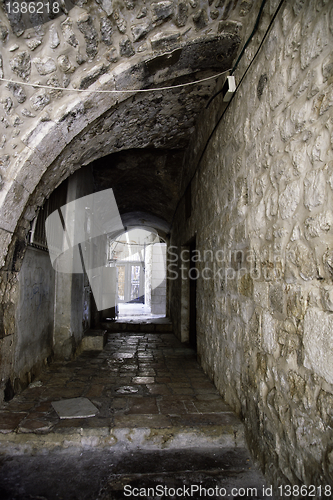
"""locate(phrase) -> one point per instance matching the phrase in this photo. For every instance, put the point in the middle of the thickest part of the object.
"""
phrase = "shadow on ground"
(105, 475)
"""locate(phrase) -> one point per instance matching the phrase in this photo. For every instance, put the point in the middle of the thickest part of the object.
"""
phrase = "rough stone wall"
(9, 293)
(262, 203)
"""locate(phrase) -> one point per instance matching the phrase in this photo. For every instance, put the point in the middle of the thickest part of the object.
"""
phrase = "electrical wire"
(158, 89)
(256, 24)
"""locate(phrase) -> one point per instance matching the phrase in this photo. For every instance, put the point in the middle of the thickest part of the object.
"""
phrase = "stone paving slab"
(74, 408)
(10, 420)
(149, 391)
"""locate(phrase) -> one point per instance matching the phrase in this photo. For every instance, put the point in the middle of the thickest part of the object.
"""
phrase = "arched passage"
(259, 188)
(52, 133)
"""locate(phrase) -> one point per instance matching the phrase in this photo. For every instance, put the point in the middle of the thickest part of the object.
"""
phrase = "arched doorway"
(139, 256)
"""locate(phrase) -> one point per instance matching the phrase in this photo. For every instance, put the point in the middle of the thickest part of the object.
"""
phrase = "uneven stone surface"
(160, 421)
(74, 41)
(130, 46)
(140, 381)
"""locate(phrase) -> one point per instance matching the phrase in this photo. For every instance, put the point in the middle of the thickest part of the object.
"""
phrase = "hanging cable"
(243, 49)
(158, 89)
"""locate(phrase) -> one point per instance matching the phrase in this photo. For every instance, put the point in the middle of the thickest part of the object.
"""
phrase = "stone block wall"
(262, 211)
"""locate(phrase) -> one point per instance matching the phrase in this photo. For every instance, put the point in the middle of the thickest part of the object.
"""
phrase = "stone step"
(218, 431)
(148, 326)
(146, 390)
(145, 411)
(195, 473)
(94, 340)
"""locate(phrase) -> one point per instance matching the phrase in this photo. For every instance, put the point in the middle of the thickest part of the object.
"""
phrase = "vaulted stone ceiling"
(145, 183)
(134, 141)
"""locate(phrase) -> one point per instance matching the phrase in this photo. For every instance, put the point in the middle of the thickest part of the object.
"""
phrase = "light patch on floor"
(75, 408)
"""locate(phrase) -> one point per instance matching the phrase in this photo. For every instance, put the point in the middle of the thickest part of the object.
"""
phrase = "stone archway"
(49, 133)
(49, 127)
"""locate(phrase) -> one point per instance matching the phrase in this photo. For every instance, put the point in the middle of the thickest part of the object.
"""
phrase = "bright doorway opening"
(139, 255)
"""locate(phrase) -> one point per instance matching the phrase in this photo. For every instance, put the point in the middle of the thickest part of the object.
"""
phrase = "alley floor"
(159, 420)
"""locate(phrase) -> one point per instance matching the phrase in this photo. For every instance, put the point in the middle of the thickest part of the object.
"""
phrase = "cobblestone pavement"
(160, 421)
(138, 380)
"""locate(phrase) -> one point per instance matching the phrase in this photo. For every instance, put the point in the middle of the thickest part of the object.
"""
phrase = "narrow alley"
(172, 158)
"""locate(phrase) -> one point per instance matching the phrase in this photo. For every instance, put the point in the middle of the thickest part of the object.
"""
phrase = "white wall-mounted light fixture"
(229, 88)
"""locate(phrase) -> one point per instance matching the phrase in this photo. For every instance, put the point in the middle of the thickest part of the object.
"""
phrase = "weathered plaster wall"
(39, 327)
(34, 315)
(262, 202)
